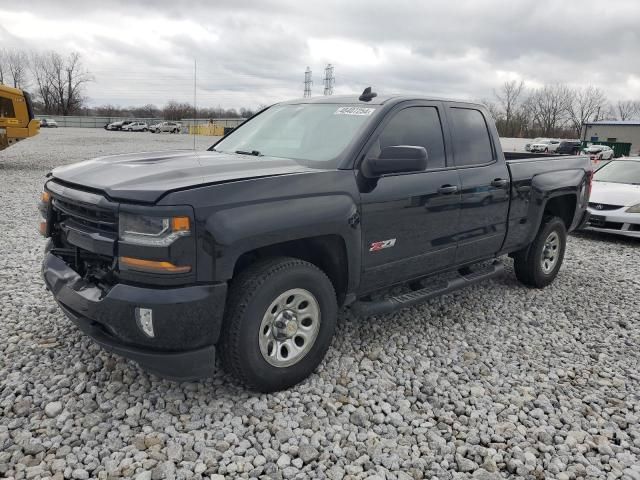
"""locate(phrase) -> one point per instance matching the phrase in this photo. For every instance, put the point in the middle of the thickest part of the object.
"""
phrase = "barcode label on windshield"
(354, 111)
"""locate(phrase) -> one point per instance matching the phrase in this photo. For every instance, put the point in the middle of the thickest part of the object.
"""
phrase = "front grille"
(604, 206)
(92, 216)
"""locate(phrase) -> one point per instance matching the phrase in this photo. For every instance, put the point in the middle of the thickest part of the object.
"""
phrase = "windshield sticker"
(354, 111)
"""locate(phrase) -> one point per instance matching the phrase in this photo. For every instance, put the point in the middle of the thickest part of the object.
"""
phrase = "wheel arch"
(327, 252)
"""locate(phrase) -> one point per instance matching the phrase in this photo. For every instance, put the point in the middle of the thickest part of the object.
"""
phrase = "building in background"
(614, 131)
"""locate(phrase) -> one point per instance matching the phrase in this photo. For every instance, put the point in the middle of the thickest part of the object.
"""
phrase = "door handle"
(447, 189)
(499, 182)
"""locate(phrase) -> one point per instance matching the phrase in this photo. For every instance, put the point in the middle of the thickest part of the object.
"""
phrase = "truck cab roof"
(378, 100)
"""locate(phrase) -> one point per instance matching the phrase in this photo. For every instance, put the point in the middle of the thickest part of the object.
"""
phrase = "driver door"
(409, 220)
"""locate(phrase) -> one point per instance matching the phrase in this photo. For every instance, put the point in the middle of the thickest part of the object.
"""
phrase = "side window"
(471, 141)
(417, 126)
(6, 108)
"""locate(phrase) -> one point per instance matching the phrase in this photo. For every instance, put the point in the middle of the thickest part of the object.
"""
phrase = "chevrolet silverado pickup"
(247, 251)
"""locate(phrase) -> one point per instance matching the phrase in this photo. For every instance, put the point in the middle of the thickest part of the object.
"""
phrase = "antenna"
(307, 83)
(193, 122)
(329, 79)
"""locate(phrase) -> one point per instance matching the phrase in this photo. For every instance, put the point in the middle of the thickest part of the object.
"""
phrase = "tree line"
(554, 110)
(173, 110)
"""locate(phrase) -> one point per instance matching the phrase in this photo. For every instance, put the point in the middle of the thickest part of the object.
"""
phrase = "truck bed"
(531, 177)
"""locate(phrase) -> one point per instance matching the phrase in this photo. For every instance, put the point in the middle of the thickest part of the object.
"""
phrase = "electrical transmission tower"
(307, 83)
(329, 80)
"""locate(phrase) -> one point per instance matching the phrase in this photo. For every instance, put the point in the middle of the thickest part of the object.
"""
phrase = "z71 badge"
(376, 246)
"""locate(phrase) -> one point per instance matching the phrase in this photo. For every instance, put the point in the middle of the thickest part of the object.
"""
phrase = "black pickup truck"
(249, 249)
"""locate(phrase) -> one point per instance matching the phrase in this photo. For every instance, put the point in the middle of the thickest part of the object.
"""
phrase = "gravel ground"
(493, 382)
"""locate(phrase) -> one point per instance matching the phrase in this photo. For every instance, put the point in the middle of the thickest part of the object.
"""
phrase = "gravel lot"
(496, 381)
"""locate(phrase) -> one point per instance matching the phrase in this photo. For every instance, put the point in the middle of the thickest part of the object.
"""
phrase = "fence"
(100, 122)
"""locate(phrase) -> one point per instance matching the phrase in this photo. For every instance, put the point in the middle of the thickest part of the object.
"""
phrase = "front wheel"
(538, 265)
(281, 314)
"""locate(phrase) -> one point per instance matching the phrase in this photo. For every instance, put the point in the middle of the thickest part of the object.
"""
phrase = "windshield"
(308, 132)
(619, 171)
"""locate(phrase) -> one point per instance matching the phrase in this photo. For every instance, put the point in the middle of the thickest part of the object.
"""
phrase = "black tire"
(528, 262)
(251, 294)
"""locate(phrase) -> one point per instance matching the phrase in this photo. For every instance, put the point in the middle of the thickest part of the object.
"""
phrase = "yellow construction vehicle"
(16, 116)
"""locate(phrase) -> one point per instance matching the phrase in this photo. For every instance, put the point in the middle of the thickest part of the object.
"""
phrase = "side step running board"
(390, 304)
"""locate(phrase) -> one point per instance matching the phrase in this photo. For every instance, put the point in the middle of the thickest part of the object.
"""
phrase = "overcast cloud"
(255, 52)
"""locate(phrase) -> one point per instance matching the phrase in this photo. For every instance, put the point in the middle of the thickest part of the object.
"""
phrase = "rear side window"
(415, 126)
(6, 108)
(471, 141)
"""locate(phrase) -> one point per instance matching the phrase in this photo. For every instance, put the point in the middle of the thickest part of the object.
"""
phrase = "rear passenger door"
(484, 182)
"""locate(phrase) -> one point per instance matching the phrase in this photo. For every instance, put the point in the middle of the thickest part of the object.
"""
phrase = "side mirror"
(396, 159)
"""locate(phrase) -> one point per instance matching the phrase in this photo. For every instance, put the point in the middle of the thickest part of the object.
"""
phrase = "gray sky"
(252, 52)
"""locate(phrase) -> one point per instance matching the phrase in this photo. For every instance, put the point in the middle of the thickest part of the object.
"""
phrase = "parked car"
(569, 147)
(614, 205)
(599, 152)
(48, 123)
(135, 127)
(248, 250)
(546, 146)
(527, 146)
(118, 125)
(171, 127)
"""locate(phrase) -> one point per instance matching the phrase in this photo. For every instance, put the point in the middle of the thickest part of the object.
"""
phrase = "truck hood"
(145, 177)
(624, 194)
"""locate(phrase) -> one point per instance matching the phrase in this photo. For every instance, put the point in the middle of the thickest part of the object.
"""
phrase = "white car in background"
(546, 146)
(171, 127)
(527, 146)
(614, 205)
(136, 127)
(599, 152)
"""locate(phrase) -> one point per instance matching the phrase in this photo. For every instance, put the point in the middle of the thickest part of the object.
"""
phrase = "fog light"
(144, 319)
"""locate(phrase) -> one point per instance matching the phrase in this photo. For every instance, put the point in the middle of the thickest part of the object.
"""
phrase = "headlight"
(153, 231)
(44, 205)
(634, 209)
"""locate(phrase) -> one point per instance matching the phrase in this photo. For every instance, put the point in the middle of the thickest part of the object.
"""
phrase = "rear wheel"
(281, 314)
(538, 265)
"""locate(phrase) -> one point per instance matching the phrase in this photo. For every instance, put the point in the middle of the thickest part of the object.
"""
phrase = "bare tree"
(59, 81)
(586, 104)
(549, 106)
(177, 111)
(74, 76)
(41, 74)
(3, 64)
(508, 97)
(17, 63)
(627, 109)
(146, 111)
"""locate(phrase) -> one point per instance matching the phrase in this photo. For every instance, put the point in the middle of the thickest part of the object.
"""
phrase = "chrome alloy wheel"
(550, 251)
(289, 327)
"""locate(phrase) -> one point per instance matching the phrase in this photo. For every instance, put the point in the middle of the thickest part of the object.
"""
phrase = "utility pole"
(329, 80)
(307, 83)
(195, 105)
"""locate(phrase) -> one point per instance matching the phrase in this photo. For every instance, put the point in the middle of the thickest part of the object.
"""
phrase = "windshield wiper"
(255, 153)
